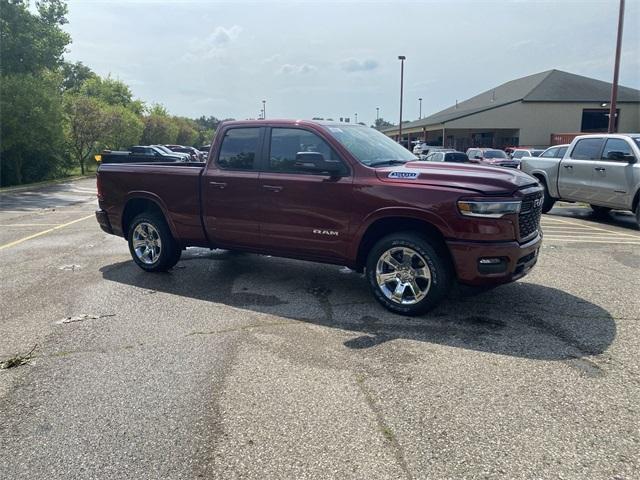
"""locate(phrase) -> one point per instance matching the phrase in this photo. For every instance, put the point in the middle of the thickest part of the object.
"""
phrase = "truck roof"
(289, 121)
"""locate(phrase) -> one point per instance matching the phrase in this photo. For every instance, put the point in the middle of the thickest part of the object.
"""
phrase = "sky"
(335, 59)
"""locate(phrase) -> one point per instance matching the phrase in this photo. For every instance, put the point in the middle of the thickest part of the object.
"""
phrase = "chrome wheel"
(146, 243)
(403, 275)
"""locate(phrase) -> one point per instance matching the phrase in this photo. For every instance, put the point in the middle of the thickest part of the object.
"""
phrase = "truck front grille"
(530, 213)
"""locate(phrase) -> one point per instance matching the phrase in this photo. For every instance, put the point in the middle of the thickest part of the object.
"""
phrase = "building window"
(597, 119)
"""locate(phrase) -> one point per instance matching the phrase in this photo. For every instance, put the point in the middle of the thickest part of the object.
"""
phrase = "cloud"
(354, 65)
(214, 44)
(290, 69)
(222, 36)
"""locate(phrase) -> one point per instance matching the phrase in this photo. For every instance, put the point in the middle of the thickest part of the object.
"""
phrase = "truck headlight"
(473, 208)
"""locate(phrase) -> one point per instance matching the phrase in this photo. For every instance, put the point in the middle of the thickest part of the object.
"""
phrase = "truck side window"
(616, 145)
(239, 148)
(286, 143)
(587, 149)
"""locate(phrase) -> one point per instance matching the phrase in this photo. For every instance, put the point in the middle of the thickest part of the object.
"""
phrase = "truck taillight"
(99, 186)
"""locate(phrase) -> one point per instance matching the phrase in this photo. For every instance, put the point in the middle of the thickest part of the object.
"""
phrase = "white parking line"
(590, 227)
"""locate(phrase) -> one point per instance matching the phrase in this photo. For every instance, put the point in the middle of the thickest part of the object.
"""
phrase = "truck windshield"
(369, 146)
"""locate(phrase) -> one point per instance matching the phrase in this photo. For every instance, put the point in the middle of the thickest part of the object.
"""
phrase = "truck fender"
(400, 213)
(552, 187)
(152, 197)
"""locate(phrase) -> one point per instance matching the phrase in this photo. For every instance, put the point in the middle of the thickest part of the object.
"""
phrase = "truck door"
(576, 170)
(230, 200)
(613, 175)
(304, 213)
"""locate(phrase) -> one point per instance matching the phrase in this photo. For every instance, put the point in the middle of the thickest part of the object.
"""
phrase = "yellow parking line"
(30, 225)
(44, 232)
(596, 228)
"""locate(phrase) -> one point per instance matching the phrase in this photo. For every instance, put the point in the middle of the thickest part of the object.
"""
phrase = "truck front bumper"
(103, 221)
(484, 264)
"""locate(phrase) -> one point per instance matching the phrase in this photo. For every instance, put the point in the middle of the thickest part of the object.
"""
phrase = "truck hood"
(477, 178)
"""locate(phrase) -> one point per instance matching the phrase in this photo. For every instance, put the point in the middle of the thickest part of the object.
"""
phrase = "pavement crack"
(386, 431)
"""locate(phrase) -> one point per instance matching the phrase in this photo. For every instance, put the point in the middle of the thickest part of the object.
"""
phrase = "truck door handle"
(599, 169)
(219, 185)
(272, 188)
(568, 166)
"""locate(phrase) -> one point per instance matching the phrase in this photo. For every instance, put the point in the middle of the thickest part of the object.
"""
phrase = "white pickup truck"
(602, 170)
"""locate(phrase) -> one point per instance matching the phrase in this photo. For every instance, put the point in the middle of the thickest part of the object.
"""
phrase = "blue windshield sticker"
(404, 175)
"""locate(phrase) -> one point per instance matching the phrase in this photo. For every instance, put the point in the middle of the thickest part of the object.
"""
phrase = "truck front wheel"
(151, 244)
(407, 273)
(547, 200)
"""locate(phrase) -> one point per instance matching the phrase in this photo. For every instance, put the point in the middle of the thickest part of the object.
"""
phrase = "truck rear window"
(239, 147)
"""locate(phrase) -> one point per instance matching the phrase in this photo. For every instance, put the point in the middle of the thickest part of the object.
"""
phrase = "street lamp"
(616, 70)
(402, 58)
(420, 114)
(264, 109)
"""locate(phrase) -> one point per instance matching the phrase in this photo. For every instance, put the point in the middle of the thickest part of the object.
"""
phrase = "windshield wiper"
(387, 162)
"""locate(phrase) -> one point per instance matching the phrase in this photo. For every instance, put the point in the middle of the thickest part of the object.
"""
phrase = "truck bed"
(173, 186)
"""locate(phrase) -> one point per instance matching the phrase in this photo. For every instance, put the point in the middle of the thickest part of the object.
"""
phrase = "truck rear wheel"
(151, 244)
(407, 273)
(600, 211)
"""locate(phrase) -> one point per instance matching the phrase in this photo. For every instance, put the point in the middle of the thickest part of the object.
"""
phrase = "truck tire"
(638, 215)
(547, 200)
(408, 273)
(600, 211)
(151, 244)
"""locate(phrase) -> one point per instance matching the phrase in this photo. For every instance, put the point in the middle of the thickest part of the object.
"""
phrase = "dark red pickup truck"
(331, 193)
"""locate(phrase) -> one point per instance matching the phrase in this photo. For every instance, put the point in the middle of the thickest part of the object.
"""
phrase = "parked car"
(451, 156)
(518, 153)
(138, 154)
(557, 151)
(164, 154)
(331, 193)
(194, 153)
(491, 156)
(424, 149)
(185, 156)
(600, 169)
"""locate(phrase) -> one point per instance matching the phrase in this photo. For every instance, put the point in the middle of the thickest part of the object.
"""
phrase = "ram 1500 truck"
(601, 170)
(331, 193)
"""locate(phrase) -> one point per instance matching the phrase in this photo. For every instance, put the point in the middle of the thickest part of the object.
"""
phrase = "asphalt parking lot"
(245, 366)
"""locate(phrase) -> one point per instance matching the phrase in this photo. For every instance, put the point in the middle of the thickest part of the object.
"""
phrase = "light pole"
(616, 70)
(377, 115)
(402, 58)
(264, 109)
(356, 116)
(420, 114)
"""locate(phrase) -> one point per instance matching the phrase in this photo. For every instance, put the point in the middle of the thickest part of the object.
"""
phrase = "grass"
(17, 360)
(71, 175)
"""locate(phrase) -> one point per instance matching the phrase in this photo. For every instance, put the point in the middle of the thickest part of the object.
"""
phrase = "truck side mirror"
(615, 155)
(315, 162)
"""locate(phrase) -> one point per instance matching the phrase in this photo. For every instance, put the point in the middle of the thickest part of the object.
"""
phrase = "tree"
(28, 42)
(32, 144)
(112, 92)
(86, 126)
(159, 127)
(75, 75)
(382, 123)
(187, 132)
(123, 127)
